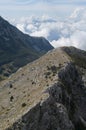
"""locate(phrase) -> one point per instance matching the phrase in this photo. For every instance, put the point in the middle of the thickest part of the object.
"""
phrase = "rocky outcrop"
(64, 109)
(74, 95)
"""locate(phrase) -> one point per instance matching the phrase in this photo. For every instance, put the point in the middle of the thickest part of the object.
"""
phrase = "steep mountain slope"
(18, 49)
(77, 55)
(36, 97)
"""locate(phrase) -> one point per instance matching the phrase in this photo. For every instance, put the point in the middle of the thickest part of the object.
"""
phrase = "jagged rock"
(63, 110)
(73, 94)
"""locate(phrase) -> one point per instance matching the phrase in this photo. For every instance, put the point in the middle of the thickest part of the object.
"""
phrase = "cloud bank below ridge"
(70, 32)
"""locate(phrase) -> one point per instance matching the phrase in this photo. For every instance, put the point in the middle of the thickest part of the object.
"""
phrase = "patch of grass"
(80, 61)
(52, 70)
(47, 74)
(78, 56)
(2, 77)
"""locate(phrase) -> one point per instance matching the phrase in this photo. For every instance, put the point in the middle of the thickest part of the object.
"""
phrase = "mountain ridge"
(29, 85)
(17, 48)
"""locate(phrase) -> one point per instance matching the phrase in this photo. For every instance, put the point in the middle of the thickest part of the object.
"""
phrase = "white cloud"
(77, 39)
(70, 32)
(79, 14)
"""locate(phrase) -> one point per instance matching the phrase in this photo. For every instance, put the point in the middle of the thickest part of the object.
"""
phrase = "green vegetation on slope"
(78, 56)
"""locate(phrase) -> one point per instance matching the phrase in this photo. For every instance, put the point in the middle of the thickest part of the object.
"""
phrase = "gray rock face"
(65, 109)
(74, 95)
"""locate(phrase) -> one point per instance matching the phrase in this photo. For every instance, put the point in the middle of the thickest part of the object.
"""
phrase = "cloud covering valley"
(68, 32)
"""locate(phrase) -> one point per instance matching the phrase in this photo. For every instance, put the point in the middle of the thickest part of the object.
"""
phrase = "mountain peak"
(2, 19)
(3, 24)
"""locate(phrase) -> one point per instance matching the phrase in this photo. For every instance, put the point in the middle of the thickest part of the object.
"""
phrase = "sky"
(62, 22)
(20, 8)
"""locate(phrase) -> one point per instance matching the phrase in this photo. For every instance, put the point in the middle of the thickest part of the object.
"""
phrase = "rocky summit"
(47, 94)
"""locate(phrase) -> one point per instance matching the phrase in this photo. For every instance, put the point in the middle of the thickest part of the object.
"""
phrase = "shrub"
(23, 104)
(11, 98)
(11, 85)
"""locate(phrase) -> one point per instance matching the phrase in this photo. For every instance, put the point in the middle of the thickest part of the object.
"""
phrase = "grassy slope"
(28, 86)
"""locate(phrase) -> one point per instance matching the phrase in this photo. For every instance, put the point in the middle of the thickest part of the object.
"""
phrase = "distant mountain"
(17, 48)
